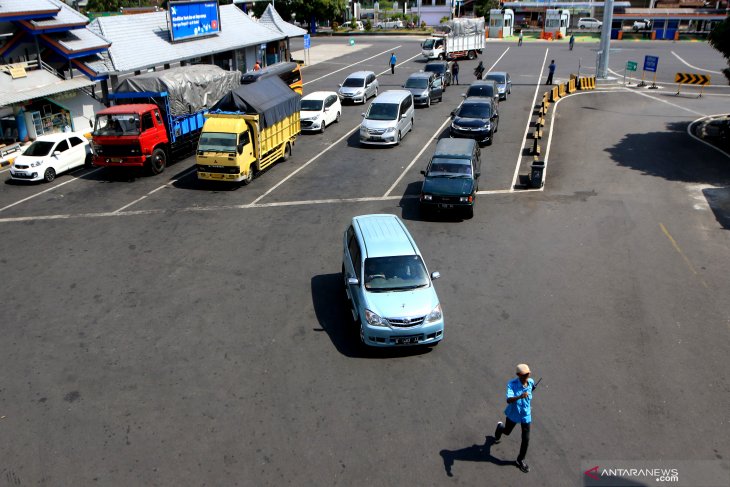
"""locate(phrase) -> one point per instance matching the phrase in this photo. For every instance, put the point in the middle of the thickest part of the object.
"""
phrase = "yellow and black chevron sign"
(692, 79)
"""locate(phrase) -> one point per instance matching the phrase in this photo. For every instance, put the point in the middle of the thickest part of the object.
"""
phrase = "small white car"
(320, 109)
(51, 155)
(589, 23)
(641, 24)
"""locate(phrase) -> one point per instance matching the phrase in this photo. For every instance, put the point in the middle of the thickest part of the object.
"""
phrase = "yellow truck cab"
(249, 129)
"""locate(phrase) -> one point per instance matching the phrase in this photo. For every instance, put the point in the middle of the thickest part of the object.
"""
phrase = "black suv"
(476, 118)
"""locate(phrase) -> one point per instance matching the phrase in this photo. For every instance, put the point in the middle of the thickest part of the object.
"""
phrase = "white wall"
(82, 108)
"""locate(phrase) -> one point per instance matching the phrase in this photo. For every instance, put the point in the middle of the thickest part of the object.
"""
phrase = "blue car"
(391, 293)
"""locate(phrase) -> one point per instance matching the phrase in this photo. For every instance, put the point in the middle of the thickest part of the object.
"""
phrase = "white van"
(388, 119)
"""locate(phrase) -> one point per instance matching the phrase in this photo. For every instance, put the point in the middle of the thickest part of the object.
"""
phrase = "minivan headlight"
(390, 130)
(374, 320)
(435, 314)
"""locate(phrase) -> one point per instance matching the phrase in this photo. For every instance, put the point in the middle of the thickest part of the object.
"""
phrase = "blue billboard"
(188, 20)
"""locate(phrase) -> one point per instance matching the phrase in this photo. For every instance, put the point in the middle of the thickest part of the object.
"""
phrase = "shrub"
(423, 24)
(368, 25)
(444, 19)
(335, 26)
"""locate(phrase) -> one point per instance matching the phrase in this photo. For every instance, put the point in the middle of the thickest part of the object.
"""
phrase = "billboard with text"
(188, 20)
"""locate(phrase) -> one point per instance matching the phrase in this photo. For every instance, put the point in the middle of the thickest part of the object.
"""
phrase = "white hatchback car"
(50, 155)
(320, 109)
(589, 23)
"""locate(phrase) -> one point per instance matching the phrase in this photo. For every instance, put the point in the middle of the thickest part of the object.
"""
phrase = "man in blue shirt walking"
(392, 63)
(519, 397)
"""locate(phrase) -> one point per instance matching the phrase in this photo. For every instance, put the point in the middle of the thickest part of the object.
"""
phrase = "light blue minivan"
(390, 290)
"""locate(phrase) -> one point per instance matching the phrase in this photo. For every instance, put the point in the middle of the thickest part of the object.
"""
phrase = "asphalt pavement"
(160, 331)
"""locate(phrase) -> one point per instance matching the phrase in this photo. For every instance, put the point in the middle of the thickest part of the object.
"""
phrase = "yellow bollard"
(562, 92)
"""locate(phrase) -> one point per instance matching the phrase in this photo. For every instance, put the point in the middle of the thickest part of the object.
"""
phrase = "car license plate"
(444, 205)
(20, 173)
(375, 138)
(116, 159)
(406, 340)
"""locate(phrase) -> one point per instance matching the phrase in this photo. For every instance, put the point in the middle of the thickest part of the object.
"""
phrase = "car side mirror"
(402, 86)
(477, 174)
(240, 148)
(340, 85)
(435, 275)
(352, 281)
(403, 116)
(463, 95)
(362, 114)
(423, 172)
(453, 114)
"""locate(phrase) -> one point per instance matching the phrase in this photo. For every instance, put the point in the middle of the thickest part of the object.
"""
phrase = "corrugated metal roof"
(66, 16)
(26, 6)
(143, 40)
(271, 19)
(37, 84)
(79, 40)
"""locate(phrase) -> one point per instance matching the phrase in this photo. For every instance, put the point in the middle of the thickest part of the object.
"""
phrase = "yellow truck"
(249, 129)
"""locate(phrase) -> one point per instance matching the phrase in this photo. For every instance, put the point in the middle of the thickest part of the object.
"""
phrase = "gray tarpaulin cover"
(190, 88)
(465, 26)
(270, 97)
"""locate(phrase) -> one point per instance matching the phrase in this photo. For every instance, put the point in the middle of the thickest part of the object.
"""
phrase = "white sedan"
(320, 109)
(50, 155)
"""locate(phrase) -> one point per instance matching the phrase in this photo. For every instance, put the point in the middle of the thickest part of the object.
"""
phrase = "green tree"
(109, 5)
(306, 10)
(482, 7)
(719, 38)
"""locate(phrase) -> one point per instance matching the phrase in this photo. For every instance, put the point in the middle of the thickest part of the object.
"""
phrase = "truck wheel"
(441, 57)
(249, 176)
(158, 161)
(472, 55)
(287, 152)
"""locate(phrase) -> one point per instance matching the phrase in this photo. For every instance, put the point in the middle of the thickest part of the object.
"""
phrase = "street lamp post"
(605, 48)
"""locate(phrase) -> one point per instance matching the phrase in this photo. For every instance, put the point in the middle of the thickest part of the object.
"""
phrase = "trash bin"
(537, 172)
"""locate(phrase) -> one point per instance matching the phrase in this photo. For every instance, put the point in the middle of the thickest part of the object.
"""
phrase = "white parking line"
(435, 135)
(527, 127)
(75, 178)
(353, 64)
(173, 181)
(694, 67)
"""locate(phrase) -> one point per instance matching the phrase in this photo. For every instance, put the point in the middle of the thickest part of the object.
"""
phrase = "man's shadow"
(474, 453)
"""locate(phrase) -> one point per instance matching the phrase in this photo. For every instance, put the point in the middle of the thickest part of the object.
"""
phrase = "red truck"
(158, 116)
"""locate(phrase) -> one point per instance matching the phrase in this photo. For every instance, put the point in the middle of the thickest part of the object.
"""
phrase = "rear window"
(435, 68)
(499, 78)
(481, 90)
(417, 83)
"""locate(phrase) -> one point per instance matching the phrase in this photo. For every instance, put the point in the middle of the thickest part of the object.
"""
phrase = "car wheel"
(441, 57)
(491, 138)
(397, 142)
(324, 126)
(337, 118)
(49, 175)
(428, 101)
(413, 124)
(376, 91)
(441, 98)
(158, 161)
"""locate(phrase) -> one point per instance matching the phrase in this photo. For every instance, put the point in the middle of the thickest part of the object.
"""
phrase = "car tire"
(158, 161)
(428, 101)
(397, 142)
(324, 126)
(471, 55)
(491, 139)
(49, 175)
(287, 152)
(337, 119)
(441, 98)
(441, 57)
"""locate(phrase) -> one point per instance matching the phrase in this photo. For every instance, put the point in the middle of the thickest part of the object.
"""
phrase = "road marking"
(527, 127)
(435, 135)
(667, 102)
(499, 58)
(75, 178)
(679, 251)
(305, 165)
(689, 131)
(353, 64)
(694, 67)
(171, 182)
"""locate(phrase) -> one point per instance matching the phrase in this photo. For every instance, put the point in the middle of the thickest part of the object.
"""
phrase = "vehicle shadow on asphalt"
(333, 313)
(719, 201)
(473, 453)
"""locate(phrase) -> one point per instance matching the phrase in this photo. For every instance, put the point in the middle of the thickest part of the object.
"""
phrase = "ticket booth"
(557, 20)
(501, 23)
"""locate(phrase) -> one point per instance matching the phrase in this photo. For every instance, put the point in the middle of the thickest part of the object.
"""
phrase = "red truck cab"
(131, 135)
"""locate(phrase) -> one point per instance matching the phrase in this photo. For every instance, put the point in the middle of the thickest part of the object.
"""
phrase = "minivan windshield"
(382, 111)
(417, 83)
(217, 142)
(428, 44)
(442, 167)
(474, 110)
(39, 148)
(396, 273)
(312, 105)
(354, 83)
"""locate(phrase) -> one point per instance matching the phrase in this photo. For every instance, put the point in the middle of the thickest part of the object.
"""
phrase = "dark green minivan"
(452, 177)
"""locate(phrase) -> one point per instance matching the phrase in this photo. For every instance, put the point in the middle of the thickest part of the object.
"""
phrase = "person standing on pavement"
(551, 72)
(455, 71)
(479, 70)
(572, 41)
(519, 410)
(519, 39)
(392, 63)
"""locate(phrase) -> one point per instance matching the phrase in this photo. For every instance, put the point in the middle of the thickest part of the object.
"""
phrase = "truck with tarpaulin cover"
(157, 117)
(461, 38)
(249, 129)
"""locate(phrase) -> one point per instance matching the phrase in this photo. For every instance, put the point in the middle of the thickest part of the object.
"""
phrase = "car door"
(437, 89)
(77, 152)
(60, 156)
(329, 113)
(353, 268)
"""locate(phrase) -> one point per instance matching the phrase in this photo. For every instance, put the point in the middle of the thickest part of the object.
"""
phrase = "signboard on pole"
(307, 41)
(631, 66)
(189, 20)
(650, 63)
